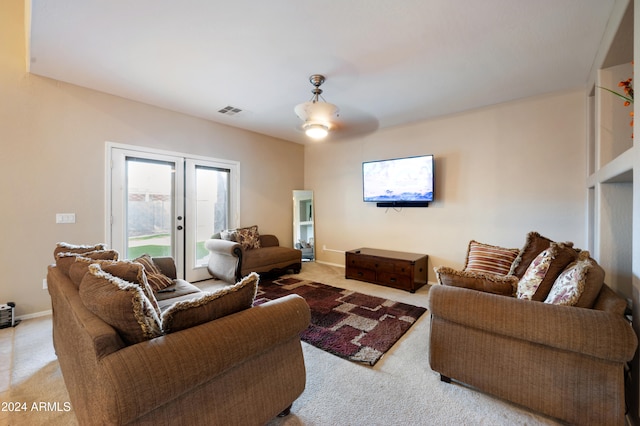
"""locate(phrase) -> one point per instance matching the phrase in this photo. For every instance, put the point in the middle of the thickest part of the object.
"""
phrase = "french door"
(166, 204)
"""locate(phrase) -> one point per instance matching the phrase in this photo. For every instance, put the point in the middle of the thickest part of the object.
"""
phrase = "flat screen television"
(399, 182)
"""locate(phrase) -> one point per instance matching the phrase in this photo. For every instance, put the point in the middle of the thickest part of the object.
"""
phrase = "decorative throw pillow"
(579, 284)
(64, 260)
(74, 248)
(489, 259)
(209, 306)
(127, 270)
(229, 235)
(533, 246)
(248, 238)
(489, 283)
(80, 267)
(536, 282)
(134, 273)
(157, 280)
(121, 304)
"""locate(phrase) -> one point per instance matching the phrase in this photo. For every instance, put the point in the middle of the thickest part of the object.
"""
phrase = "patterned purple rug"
(350, 325)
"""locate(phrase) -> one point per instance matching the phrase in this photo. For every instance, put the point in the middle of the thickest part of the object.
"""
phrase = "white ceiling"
(387, 62)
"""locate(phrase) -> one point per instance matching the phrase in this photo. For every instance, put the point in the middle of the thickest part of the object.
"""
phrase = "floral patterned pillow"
(579, 284)
(248, 238)
(539, 277)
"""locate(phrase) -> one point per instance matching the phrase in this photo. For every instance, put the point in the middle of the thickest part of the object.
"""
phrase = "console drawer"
(395, 280)
(361, 262)
(361, 274)
(383, 266)
(404, 268)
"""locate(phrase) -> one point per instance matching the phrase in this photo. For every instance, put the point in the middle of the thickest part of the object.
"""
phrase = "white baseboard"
(329, 263)
(34, 315)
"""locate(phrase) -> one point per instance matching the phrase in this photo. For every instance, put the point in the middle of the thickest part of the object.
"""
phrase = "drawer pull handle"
(359, 274)
(393, 280)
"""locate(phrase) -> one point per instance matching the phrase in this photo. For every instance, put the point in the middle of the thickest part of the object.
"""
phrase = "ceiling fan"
(318, 116)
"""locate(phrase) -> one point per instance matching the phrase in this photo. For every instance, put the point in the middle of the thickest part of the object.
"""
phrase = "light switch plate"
(65, 218)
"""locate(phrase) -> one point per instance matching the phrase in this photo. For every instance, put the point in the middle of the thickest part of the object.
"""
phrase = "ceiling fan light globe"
(309, 111)
(316, 130)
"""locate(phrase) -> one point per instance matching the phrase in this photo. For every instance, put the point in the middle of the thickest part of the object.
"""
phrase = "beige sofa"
(230, 260)
(240, 369)
(566, 362)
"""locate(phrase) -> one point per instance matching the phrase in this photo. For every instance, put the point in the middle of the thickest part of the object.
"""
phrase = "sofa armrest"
(224, 247)
(268, 240)
(225, 259)
(176, 363)
(597, 333)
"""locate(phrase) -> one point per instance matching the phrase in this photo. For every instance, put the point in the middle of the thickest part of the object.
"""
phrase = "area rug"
(351, 325)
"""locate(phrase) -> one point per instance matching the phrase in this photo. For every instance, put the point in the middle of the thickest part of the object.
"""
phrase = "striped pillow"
(156, 279)
(489, 259)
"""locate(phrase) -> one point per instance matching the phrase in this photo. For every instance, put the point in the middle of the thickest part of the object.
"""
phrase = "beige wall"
(501, 172)
(53, 161)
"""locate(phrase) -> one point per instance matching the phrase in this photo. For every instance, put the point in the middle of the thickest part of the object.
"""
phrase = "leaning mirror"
(303, 237)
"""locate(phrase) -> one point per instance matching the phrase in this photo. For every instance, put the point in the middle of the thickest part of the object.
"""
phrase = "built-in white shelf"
(619, 169)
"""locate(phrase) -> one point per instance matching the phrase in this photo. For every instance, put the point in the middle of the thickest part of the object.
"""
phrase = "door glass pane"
(150, 207)
(212, 207)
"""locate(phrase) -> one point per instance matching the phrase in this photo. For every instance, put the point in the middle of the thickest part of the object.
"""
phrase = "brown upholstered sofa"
(243, 368)
(567, 362)
(230, 260)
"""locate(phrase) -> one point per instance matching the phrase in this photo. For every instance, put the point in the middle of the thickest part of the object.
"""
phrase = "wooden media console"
(406, 271)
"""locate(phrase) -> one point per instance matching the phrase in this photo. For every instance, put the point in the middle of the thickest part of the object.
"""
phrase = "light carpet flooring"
(400, 389)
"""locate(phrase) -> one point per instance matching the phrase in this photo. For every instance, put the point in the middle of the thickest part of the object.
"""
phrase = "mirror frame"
(304, 223)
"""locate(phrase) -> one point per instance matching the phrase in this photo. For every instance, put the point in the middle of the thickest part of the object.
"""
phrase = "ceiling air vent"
(229, 110)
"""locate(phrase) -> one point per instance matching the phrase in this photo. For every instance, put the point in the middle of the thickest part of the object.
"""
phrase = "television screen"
(400, 180)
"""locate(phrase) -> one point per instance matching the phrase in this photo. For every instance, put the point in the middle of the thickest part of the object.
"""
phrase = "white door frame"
(115, 212)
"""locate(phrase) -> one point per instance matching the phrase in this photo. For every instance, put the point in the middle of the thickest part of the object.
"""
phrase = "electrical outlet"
(44, 284)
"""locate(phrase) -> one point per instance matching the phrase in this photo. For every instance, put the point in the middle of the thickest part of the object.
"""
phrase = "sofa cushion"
(264, 259)
(579, 284)
(489, 259)
(209, 306)
(75, 248)
(539, 277)
(121, 304)
(489, 283)
(157, 280)
(180, 290)
(64, 260)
